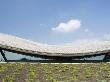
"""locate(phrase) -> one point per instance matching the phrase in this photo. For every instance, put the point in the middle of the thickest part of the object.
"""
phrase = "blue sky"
(35, 19)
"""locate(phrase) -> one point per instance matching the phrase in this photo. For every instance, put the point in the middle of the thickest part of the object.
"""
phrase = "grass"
(97, 72)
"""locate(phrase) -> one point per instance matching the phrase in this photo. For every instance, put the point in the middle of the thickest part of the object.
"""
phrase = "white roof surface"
(78, 48)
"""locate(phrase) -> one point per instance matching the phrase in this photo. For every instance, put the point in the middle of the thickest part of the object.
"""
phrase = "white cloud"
(69, 26)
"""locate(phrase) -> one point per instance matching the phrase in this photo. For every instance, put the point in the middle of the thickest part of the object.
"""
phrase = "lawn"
(36, 72)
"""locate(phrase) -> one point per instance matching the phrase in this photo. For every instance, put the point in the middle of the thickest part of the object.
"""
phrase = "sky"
(56, 21)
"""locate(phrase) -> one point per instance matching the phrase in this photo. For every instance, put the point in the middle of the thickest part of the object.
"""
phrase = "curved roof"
(78, 48)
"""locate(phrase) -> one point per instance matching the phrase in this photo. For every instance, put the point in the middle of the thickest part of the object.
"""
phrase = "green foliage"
(12, 76)
(32, 73)
(59, 72)
(101, 81)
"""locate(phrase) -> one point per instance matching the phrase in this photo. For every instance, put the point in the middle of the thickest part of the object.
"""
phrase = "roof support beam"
(107, 57)
(3, 55)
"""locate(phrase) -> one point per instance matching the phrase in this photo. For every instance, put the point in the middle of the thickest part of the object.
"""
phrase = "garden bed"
(28, 72)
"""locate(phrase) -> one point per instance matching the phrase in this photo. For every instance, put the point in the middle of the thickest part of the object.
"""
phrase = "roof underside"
(78, 48)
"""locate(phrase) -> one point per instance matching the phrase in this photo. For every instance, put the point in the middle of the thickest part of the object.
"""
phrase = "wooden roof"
(77, 48)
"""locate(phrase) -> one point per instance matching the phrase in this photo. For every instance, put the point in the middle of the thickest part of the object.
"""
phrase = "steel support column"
(3, 54)
(107, 57)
